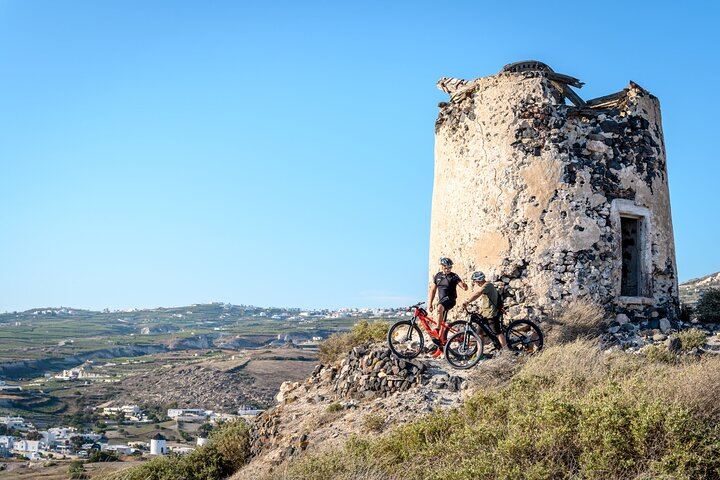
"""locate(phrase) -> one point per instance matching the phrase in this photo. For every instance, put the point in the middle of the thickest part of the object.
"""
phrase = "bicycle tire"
(522, 342)
(405, 333)
(453, 328)
(464, 349)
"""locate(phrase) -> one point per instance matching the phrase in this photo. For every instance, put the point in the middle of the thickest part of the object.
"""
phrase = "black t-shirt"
(447, 285)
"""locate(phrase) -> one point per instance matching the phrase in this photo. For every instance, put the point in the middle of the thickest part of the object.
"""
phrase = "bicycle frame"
(478, 319)
(425, 320)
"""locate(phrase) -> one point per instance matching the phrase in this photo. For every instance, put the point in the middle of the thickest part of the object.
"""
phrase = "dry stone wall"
(532, 191)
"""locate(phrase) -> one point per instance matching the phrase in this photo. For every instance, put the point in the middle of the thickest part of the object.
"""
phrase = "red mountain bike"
(407, 341)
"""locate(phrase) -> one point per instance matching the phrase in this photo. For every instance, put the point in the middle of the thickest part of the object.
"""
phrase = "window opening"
(631, 281)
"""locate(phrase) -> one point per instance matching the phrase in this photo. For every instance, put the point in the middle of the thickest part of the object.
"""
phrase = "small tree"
(77, 442)
(77, 470)
(708, 308)
(34, 435)
(100, 456)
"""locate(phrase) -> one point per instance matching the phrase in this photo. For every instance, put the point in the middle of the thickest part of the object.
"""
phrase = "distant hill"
(691, 290)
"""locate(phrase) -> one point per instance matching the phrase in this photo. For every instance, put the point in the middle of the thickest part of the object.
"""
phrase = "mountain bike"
(463, 350)
(407, 341)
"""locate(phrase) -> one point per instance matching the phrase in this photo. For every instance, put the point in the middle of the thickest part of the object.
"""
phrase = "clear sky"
(161, 153)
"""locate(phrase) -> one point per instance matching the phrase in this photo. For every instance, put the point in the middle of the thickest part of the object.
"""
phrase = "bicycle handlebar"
(417, 305)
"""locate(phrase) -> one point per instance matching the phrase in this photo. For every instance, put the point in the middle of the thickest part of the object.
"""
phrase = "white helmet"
(478, 276)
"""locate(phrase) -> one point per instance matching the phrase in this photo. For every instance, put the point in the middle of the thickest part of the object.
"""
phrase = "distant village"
(21, 438)
(274, 313)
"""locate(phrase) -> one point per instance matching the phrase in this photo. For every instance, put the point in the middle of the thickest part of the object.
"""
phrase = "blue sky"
(159, 153)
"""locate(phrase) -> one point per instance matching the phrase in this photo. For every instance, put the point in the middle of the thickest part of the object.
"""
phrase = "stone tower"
(553, 197)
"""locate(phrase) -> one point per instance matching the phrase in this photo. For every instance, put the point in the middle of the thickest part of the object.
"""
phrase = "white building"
(23, 446)
(13, 422)
(59, 433)
(131, 412)
(7, 442)
(187, 412)
(158, 445)
(6, 387)
(202, 441)
(119, 449)
(182, 450)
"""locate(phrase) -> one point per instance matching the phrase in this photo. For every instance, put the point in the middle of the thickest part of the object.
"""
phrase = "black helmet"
(446, 262)
(478, 276)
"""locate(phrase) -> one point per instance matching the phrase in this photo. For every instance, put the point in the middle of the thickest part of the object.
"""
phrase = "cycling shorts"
(447, 302)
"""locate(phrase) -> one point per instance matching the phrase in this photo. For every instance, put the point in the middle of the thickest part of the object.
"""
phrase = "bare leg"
(440, 316)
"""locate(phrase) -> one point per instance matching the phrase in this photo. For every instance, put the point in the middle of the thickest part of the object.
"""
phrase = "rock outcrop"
(335, 401)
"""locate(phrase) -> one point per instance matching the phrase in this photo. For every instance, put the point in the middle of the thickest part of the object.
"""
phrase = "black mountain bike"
(465, 348)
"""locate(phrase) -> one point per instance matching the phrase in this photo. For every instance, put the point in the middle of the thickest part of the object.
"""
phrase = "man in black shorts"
(445, 284)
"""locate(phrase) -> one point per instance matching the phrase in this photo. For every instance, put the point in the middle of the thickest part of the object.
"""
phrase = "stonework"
(555, 201)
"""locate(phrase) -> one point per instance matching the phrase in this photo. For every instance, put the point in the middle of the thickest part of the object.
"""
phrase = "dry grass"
(693, 384)
(373, 422)
(496, 371)
(580, 319)
(339, 344)
(331, 465)
(572, 411)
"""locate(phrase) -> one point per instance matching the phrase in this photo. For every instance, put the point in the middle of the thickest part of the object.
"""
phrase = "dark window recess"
(630, 282)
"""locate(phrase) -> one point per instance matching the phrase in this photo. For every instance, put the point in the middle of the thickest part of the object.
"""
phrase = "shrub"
(224, 454)
(77, 470)
(373, 422)
(99, 456)
(334, 407)
(232, 442)
(659, 353)
(339, 344)
(690, 339)
(686, 312)
(581, 318)
(708, 307)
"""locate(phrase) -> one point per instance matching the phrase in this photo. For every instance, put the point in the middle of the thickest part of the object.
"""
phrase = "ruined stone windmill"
(555, 201)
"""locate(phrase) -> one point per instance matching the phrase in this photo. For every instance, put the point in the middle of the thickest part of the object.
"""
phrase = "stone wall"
(531, 191)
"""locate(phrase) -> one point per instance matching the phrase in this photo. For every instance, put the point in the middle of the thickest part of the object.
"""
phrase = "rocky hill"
(368, 392)
(512, 406)
(691, 290)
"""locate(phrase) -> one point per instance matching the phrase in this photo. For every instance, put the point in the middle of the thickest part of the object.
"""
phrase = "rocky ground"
(637, 336)
(225, 386)
(366, 393)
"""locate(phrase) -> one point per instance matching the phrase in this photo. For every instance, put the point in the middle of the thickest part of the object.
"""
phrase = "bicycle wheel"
(464, 349)
(405, 339)
(524, 337)
(453, 328)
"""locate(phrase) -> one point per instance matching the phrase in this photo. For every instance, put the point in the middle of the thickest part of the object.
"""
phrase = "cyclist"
(445, 284)
(488, 296)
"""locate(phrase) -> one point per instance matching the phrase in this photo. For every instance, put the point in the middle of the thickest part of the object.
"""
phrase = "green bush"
(708, 307)
(373, 422)
(659, 353)
(99, 456)
(334, 407)
(690, 339)
(225, 453)
(339, 344)
(77, 470)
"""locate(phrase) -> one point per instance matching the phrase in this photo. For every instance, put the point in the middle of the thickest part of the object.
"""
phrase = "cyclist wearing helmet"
(445, 284)
(488, 296)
